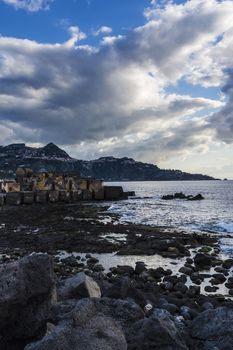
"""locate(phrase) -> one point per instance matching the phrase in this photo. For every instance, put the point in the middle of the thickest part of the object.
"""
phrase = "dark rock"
(27, 291)
(172, 308)
(180, 287)
(140, 267)
(78, 286)
(86, 327)
(227, 264)
(202, 260)
(124, 270)
(207, 306)
(186, 270)
(198, 197)
(159, 331)
(213, 329)
(98, 268)
(210, 289)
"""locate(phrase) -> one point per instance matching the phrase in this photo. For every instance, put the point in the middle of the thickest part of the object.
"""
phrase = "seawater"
(213, 214)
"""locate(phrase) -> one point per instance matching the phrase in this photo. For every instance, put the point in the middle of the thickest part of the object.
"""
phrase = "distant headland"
(52, 158)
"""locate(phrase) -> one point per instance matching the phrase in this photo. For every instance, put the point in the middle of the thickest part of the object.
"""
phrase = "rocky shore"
(56, 292)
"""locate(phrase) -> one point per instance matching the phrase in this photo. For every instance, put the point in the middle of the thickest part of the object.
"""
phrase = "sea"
(214, 214)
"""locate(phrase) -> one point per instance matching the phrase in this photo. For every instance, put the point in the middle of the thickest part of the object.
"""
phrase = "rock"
(98, 268)
(27, 291)
(202, 260)
(185, 312)
(210, 289)
(213, 329)
(227, 264)
(86, 327)
(124, 270)
(173, 250)
(180, 287)
(79, 286)
(198, 197)
(159, 331)
(92, 260)
(172, 308)
(156, 273)
(186, 270)
(167, 285)
(140, 267)
(207, 306)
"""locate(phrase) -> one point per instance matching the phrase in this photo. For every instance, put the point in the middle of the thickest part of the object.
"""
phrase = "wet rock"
(156, 273)
(98, 268)
(198, 197)
(213, 329)
(180, 287)
(220, 277)
(159, 331)
(92, 261)
(186, 312)
(124, 270)
(167, 285)
(86, 327)
(171, 308)
(79, 286)
(210, 289)
(27, 291)
(207, 306)
(230, 292)
(202, 260)
(186, 270)
(140, 267)
(227, 264)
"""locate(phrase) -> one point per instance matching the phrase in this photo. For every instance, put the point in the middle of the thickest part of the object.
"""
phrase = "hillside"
(52, 158)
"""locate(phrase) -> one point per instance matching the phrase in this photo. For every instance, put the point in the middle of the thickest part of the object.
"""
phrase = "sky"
(147, 79)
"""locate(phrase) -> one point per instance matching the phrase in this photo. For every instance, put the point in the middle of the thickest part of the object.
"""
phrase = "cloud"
(103, 30)
(113, 99)
(29, 5)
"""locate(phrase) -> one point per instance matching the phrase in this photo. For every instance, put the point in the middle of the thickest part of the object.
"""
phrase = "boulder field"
(127, 308)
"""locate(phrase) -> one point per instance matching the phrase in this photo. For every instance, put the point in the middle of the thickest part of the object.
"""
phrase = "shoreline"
(167, 275)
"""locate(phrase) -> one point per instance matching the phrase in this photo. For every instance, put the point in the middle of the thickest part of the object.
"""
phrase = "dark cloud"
(113, 97)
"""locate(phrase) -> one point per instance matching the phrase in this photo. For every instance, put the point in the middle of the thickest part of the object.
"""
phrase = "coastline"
(183, 275)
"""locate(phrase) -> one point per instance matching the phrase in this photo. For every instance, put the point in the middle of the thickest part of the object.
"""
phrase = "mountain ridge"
(52, 158)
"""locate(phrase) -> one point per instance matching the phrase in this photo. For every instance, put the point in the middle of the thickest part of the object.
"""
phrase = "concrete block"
(41, 197)
(28, 197)
(64, 196)
(113, 192)
(87, 195)
(14, 198)
(76, 195)
(53, 196)
(94, 184)
(98, 195)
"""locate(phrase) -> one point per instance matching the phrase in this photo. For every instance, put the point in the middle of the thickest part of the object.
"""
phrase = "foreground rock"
(213, 329)
(27, 291)
(89, 325)
(110, 324)
(77, 287)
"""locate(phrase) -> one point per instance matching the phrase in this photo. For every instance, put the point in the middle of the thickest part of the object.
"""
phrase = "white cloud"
(102, 30)
(29, 5)
(113, 99)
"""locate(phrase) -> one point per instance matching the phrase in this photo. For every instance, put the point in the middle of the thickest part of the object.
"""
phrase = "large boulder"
(77, 287)
(213, 329)
(89, 325)
(159, 331)
(27, 291)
